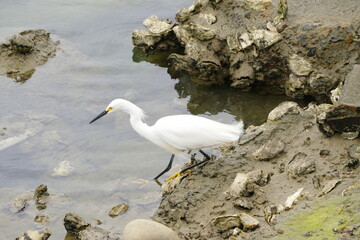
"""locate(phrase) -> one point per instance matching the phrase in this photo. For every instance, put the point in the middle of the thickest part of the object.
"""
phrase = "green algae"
(326, 220)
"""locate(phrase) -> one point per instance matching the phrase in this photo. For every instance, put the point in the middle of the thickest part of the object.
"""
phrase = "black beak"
(103, 113)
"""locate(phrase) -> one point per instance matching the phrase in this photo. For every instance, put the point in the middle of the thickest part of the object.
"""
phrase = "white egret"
(178, 133)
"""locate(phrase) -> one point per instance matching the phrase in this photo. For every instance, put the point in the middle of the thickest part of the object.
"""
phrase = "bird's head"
(117, 104)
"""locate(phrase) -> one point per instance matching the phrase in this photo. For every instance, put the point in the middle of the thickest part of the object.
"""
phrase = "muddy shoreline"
(306, 159)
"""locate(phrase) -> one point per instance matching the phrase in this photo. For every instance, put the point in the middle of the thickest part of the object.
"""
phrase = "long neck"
(137, 116)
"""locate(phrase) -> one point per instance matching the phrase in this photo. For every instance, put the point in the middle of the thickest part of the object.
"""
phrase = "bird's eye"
(109, 109)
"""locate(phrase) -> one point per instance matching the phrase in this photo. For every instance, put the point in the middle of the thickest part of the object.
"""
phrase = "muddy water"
(44, 120)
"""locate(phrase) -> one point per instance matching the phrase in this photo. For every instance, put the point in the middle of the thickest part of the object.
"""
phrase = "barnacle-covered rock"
(200, 32)
(260, 37)
(157, 30)
(157, 26)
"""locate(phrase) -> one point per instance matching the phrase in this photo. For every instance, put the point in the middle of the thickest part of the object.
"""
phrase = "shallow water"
(44, 120)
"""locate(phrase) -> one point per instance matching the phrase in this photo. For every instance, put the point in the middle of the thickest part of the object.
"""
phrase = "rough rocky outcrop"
(23, 52)
(293, 48)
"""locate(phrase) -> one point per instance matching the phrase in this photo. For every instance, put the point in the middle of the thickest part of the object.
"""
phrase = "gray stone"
(354, 151)
(283, 109)
(350, 91)
(329, 186)
(142, 229)
(269, 150)
(301, 164)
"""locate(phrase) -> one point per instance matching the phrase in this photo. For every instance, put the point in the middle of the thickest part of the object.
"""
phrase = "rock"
(145, 39)
(21, 202)
(226, 222)
(283, 109)
(199, 32)
(23, 52)
(182, 15)
(241, 220)
(321, 84)
(329, 186)
(260, 37)
(248, 222)
(244, 184)
(77, 227)
(344, 116)
(142, 229)
(350, 95)
(41, 194)
(209, 18)
(295, 86)
(118, 210)
(269, 150)
(42, 219)
(157, 31)
(354, 152)
(243, 203)
(157, 26)
(22, 44)
(250, 133)
(242, 77)
(301, 165)
(299, 66)
(74, 224)
(259, 5)
(36, 235)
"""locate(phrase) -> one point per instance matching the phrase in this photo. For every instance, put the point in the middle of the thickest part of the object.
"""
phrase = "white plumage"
(178, 133)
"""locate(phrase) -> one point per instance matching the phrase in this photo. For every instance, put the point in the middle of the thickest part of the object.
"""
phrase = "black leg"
(207, 158)
(167, 168)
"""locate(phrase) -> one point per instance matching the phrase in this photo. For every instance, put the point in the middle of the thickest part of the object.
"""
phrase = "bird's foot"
(177, 174)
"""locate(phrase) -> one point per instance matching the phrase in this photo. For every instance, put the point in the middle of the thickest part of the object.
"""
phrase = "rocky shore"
(295, 176)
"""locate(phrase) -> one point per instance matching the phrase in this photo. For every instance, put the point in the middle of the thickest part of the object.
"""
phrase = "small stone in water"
(118, 210)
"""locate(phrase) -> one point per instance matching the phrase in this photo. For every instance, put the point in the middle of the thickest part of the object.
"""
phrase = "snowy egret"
(177, 133)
